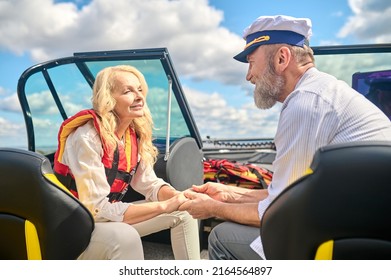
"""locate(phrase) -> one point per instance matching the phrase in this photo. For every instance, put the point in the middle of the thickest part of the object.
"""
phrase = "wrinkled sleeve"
(83, 153)
(146, 182)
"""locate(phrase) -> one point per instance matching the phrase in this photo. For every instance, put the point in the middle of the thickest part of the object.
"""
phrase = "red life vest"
(120, 163)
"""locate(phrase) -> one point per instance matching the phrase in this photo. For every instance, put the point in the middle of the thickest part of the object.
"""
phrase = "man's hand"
(216, 191)
(198, 205)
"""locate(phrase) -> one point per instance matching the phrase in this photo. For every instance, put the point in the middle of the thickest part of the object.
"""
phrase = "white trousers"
(120, 241)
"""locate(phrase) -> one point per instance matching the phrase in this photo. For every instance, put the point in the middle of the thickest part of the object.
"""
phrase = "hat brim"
(242, 56)
(267, 37)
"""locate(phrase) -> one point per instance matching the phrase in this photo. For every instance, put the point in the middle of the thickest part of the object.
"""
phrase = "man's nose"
(248, 75)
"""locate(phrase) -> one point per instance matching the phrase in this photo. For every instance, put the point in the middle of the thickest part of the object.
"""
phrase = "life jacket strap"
(112, 172)
(125, 177)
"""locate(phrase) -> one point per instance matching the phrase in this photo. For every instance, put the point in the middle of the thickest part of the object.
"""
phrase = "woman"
(101, 151)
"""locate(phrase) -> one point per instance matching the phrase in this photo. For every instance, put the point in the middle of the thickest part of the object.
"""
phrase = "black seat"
(340, 210)
(39, 218)
(184, 166)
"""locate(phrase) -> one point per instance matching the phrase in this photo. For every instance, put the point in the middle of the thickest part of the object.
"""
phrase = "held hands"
(203, 199)
(198, 205)
(174, 202)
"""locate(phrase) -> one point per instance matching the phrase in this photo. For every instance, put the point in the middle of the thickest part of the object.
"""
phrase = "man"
(317, 110)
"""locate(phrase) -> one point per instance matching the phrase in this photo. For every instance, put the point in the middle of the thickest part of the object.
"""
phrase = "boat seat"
(184, 166)
(340, 210)
(39, 217)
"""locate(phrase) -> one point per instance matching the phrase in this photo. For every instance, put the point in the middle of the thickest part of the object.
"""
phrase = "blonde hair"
(103, 103)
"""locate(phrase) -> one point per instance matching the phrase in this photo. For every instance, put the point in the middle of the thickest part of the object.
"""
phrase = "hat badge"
(257, 40)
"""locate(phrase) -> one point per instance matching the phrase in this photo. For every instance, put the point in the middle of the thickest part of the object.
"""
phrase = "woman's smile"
(138, 106)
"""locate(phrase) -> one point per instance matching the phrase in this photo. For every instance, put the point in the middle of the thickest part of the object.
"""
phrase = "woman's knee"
(118, 241)
(125, 235)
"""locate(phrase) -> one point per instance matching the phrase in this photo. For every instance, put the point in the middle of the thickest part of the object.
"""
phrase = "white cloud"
(370, 21)
(12, 134)
(190, 29)
(212, 113)
(27, 24)
(8, 128)
(10, 103)
(42, 103)
(201, 49)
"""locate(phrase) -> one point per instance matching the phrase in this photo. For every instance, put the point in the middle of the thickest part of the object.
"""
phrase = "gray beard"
(267, 90)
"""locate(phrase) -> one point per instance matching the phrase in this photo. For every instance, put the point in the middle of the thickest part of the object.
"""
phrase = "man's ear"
(282, 59)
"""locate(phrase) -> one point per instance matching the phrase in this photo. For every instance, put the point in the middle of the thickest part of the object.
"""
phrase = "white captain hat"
(278, 29)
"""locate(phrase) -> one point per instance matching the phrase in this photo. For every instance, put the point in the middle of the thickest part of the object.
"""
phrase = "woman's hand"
(139, 212)
(174, 202)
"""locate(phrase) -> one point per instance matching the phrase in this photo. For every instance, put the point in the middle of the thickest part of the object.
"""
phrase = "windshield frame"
(81, 60)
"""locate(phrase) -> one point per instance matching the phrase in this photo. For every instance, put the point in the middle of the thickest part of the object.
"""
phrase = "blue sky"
(202, 36)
